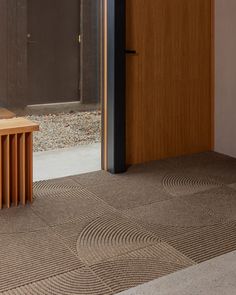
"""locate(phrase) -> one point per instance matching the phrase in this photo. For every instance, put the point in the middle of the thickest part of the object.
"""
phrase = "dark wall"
(3, 53)
(90, 51)
(13, 52)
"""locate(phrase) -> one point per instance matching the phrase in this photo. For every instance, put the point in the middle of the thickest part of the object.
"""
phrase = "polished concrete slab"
(213, 277)
(67, 162)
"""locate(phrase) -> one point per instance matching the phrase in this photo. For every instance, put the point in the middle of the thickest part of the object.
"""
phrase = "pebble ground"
(64, 130)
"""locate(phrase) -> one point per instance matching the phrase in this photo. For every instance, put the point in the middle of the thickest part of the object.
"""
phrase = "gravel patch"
(64, 130)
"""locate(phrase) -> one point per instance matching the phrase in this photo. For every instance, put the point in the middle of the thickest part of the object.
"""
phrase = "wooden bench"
(6, 114)
(16, 161)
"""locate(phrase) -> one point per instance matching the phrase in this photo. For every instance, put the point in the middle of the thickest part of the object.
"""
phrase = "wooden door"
(169, 93)
(53, 51)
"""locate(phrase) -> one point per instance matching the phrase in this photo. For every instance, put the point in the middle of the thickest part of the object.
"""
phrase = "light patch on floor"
(67, 162)
(213, 277)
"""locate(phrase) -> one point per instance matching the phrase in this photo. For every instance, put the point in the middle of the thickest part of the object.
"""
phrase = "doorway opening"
(52, 52)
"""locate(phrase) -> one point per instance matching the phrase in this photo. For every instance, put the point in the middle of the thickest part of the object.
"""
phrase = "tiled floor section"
(100, 234)
(212, 277)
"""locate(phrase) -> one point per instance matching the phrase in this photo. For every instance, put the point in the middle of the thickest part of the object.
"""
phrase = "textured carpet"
(99, 234)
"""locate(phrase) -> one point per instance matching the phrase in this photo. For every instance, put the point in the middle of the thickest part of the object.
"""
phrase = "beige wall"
(225, 104)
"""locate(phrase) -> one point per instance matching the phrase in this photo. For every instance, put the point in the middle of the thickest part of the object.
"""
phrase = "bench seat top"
(17, 125)
(6, 114)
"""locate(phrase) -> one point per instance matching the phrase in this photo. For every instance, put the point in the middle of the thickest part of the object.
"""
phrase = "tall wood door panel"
(168, 87)
(53, 51)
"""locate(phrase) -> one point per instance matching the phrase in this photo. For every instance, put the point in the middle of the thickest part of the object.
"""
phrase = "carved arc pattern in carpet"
(139, 266)
(79, 282)
(74, 241)
(54, 186)
(109, 236)
(183, 184)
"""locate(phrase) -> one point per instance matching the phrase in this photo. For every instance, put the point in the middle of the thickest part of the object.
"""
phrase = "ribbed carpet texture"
(98, 234)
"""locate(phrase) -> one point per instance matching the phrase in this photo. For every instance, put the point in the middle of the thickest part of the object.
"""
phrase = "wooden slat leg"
(29, 166)
(21, 168)
(1, 200)
(6, 170)
(14, 169)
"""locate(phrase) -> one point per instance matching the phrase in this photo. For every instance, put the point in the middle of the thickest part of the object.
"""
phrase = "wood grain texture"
(12, 49)
(6, 171)
(13, 52)
(22, 168)
(13, 170)
(17, 125)
(1, 200)
(6, 114)
(16, 161)
(3, 52)
(169, 94)
(105, 95)
(213, 75)
(29, 166)
(22, 54)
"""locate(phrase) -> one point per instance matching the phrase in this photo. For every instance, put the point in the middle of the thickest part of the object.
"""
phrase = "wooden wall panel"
(3, 52)
(169, 103)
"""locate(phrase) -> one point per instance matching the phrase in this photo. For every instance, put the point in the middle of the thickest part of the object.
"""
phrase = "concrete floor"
(213, 277)
(67, 162)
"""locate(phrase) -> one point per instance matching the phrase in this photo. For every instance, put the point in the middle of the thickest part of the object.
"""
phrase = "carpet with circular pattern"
(99, 234)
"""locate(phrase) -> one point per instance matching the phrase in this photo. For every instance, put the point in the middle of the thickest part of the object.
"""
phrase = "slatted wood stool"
(16, 161)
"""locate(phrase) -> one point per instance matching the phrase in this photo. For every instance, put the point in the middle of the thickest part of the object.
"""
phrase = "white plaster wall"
(225, 83)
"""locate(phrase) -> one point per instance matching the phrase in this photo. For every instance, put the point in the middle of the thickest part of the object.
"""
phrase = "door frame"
(114, 123)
